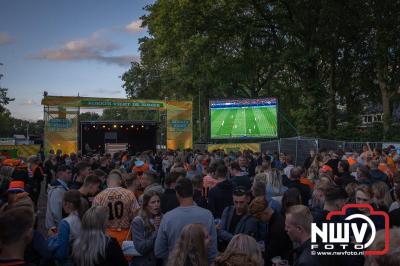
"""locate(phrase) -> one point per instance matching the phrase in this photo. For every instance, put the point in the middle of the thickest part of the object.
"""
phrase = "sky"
(66, 47)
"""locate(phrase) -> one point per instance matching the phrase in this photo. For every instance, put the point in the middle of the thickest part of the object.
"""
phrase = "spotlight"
(142, 126)
(121, 126)
(94, 126)
(114, 126)
(104, 126)
(131, 126)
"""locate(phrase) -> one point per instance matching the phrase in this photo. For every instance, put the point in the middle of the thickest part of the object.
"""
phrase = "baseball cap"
(139, 163)
(326, 168)
(16, 186)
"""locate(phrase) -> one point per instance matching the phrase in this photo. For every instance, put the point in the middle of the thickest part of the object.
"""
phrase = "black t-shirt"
(234, 221)
(277, 241)
(76, 185)
(394, 217)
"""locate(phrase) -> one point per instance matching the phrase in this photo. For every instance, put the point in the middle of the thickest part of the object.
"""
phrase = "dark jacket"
(114, 255)
(168, 200)
(303, 255)
(200, 200)
(303, 189)
(394, 217)
(277, 241)
(144, 243)
(242, 181)
(219, 197)
(378, 175)
(247, 225)
(344, 179)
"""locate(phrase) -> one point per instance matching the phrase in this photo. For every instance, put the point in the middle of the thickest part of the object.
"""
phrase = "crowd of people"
(190, 208)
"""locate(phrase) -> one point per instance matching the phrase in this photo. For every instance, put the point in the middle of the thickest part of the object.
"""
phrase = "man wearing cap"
(54, 212)
(17, 197)
(140, 167)
(277, 242)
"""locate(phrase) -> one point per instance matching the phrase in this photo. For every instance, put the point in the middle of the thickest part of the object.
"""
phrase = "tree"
(323, 59)
(5, 116)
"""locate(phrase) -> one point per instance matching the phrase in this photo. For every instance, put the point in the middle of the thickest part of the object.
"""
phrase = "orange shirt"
(307, 182)
(121, 204)
(351, 161)
(140, 170)
(384, 168)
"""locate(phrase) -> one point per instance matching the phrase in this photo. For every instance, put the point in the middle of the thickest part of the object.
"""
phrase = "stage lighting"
(131, 126)
(142, 126)
(121, 126)
(94, 126)
(114, 126)
(104, 126)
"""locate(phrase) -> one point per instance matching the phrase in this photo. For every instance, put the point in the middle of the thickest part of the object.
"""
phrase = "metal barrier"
(299, 147)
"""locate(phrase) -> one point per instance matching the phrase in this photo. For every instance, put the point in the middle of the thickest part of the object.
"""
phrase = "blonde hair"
(261, 177)
(273, 179)
(190, 247)
(392, 258)
(243, 244)
(381, 193)
(91, 244)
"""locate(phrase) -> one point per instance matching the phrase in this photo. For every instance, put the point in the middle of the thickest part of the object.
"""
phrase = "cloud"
(5, 38)
(29, 102)
(105, 91)
(93, 48)
(134, 27)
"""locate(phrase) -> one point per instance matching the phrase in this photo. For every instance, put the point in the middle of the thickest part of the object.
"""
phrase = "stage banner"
(228, 147)
(61, 133)
(16, 151)
(179, 125)
(87, 102)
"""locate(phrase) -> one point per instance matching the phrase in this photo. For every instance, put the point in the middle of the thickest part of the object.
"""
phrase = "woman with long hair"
(191, 247)
(382, 197)
(274, 185)
(93, 246)
(61, 238)
(144, 229)
(291, 197)
(242, 250)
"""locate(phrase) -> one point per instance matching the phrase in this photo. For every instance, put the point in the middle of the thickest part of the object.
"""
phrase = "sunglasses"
(239, 192)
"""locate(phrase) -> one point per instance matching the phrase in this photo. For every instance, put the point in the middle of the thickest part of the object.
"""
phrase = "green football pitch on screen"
(239, 122)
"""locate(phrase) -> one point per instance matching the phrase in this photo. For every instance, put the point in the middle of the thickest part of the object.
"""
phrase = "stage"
(139, 135)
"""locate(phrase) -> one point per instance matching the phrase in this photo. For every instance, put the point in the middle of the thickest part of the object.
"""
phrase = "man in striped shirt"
(121, 204)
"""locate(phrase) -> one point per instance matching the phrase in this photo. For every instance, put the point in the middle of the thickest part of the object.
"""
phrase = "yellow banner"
(179, 125)
(228, 147)
(22, 150)
(61, 134)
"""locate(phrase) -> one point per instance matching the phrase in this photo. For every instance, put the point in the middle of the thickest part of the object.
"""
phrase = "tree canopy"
(324, 60)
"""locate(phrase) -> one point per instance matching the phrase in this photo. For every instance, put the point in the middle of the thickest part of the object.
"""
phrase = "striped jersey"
(121, 204)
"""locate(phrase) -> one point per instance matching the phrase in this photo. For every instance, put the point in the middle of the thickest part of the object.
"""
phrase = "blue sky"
(66, 47)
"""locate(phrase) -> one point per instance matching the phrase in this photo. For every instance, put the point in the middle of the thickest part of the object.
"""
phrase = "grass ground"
(243, 122)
